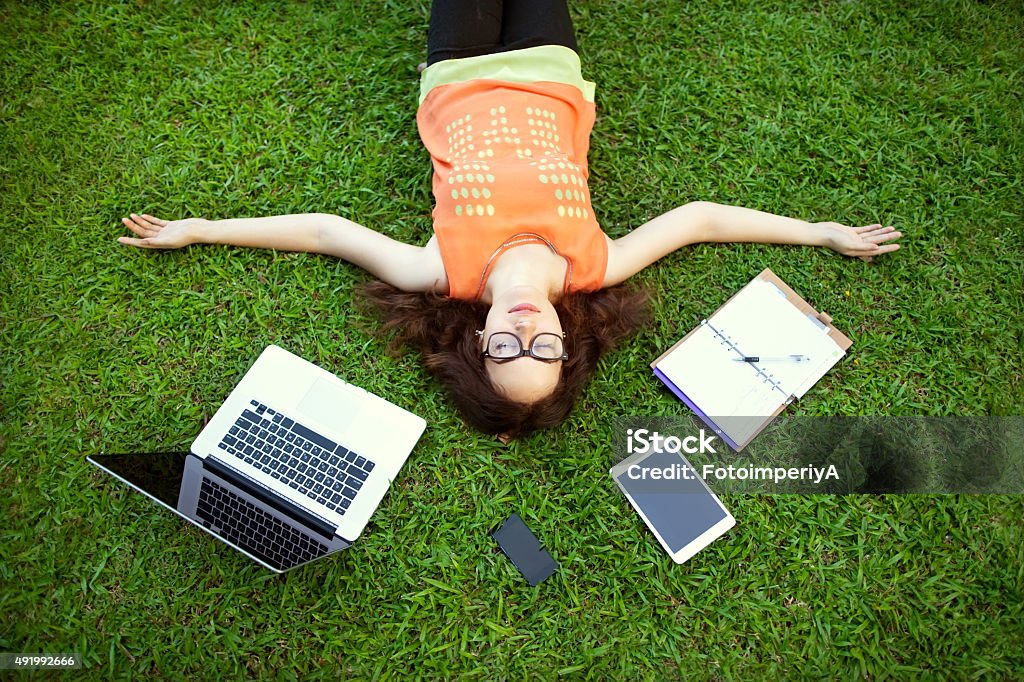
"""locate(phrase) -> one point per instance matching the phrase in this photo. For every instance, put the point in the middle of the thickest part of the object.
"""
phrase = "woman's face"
(525, 312)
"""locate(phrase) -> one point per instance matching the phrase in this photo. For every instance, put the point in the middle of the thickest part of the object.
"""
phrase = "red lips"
(525, 308)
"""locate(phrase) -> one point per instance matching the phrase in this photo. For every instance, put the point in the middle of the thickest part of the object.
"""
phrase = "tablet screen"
(681, 509)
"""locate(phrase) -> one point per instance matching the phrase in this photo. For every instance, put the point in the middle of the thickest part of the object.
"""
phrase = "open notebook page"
(704, 368)
(761, 322)
(757, 321)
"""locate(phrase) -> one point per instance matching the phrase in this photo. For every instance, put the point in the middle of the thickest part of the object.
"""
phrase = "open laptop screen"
(157, 474)
(243, 517)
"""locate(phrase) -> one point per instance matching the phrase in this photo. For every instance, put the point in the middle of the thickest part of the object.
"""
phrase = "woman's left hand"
(861, 242)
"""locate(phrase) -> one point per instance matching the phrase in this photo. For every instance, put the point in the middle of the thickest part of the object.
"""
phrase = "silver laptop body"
(289, 469)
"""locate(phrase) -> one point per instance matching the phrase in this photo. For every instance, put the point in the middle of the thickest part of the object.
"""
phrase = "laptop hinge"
(280, 503)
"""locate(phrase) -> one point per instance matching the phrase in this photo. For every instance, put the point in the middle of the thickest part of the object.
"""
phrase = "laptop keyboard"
(297, 456)
(254, 530)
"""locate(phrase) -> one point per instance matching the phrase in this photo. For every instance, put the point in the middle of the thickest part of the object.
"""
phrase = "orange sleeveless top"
(508, 135)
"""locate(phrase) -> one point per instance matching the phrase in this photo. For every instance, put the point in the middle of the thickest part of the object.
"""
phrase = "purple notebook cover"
(689, 403)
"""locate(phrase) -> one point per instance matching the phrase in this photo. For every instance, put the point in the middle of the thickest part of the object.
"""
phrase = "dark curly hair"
(443, 329)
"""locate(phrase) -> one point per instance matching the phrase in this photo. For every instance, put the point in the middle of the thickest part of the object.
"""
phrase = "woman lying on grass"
(514, 298)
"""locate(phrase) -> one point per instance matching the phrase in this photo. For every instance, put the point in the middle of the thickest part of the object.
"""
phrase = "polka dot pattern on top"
(528, 134)
(510, 159)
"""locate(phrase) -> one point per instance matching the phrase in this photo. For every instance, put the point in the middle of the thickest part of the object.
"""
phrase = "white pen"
(774, 358)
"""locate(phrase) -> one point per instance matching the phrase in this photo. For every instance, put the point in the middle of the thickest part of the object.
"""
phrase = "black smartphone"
(521, 546)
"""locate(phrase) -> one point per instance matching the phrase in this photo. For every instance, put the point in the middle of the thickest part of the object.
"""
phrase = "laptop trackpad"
(331, 405)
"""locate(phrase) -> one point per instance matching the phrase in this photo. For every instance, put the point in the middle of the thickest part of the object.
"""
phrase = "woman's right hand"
(861, 242)
(160, 234)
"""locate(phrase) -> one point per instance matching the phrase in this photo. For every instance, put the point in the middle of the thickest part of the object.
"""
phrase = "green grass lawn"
(905, 113)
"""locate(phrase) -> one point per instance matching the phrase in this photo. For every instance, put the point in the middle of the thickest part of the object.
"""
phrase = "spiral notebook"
(795, 345)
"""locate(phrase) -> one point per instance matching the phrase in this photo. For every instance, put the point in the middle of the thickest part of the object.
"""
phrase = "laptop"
(288, 470)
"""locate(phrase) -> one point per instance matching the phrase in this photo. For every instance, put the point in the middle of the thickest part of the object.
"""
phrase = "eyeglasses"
(505, 346)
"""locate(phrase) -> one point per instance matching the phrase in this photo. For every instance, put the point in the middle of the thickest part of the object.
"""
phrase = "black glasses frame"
(524, 351)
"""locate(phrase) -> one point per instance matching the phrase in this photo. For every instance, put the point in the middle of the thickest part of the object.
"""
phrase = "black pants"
(468, 28)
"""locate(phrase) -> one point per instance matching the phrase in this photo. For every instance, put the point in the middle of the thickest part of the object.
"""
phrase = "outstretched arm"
(407, 267)
(704, 221)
